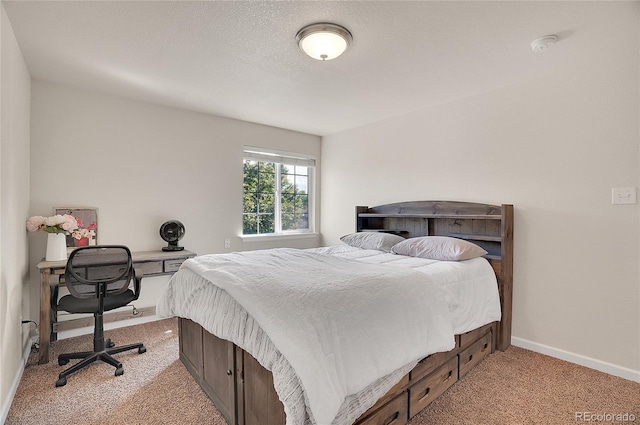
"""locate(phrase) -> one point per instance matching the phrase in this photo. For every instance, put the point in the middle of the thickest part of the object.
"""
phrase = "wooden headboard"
(490, 226)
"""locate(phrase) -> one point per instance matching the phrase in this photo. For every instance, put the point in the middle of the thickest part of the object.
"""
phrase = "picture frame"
(87, 232)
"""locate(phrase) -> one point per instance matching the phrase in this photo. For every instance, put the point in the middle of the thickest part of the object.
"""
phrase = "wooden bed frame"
(242, 390)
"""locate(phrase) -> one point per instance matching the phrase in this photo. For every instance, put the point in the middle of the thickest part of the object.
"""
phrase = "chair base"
(89, 357)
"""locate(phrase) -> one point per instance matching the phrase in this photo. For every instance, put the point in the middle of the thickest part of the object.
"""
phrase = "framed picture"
(87, 232)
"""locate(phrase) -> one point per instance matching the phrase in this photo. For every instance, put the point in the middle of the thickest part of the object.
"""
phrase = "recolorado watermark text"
(604, 417)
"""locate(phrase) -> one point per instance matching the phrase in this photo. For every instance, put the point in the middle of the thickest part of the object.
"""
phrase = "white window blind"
(254, 154)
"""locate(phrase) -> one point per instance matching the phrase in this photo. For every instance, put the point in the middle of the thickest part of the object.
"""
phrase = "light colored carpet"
(519, 386)
(155, 387)
(512, 387)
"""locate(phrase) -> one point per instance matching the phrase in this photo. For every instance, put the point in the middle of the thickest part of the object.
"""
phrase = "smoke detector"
(543, 43)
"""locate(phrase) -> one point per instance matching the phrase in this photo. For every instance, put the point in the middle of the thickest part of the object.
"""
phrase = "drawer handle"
(229, 372)
(485, 346)
(448, 376)
(392, 418)
(469, 359)
(426, 393)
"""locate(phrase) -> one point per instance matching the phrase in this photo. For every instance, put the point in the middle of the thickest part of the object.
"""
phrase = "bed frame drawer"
(394, 391)
(432, 362)
(393, 413)
(472, 336)
(428, 389)
(474, 354)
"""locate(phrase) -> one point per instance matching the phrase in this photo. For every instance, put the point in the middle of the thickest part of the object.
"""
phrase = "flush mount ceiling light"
(324, 41)
(543, 43)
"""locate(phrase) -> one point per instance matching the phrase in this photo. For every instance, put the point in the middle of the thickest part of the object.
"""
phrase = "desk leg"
(54, 310)
(45, 316)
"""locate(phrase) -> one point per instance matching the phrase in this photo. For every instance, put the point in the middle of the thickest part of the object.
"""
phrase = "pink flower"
(35, 223)
(81, 233)
(69, 223)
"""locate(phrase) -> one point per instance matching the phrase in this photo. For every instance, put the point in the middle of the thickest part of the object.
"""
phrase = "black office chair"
(98, 279)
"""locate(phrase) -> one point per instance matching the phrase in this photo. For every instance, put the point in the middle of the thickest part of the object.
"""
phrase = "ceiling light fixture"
(324, 41)
(543, 43)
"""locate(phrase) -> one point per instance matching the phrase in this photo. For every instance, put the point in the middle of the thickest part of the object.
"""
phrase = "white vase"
(56, 247)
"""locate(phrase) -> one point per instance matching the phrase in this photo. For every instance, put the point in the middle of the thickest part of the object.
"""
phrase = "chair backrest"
(89, 267)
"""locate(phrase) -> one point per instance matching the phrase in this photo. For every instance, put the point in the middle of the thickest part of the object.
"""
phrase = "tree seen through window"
(275, 198)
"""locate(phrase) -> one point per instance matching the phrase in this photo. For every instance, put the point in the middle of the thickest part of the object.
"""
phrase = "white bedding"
(470, 286)
(331, 357)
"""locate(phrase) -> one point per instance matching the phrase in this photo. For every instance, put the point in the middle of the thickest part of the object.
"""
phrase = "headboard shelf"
(395, 232)
(452, 216)
(475, 237)
(489, 226)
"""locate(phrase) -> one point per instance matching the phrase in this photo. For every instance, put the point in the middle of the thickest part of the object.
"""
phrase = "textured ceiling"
(239, 59)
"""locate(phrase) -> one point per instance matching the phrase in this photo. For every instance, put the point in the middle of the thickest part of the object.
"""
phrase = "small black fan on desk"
(172, 231)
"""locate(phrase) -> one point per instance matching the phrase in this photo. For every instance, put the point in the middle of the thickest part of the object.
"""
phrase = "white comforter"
(345, 312)
(470, 287)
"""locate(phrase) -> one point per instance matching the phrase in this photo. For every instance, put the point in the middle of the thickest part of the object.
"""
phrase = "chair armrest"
(137, 277)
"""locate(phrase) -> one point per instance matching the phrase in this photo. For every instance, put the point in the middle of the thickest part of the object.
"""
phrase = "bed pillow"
(372, 240)
(438, 248)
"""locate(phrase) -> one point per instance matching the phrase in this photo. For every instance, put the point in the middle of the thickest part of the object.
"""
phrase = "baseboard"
(611, 369)
(6, 404)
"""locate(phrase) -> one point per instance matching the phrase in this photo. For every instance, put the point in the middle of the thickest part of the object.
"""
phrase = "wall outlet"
(623, 195)
(227, 243)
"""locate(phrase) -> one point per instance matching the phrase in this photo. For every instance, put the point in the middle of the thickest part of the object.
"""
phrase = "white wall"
(141, 165)
(554, 147)
(14, 208)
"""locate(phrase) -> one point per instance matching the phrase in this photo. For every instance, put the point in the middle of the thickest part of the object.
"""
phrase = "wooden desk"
(152, 263)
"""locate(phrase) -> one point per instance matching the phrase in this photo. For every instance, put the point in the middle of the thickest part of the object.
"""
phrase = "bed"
(380, 338)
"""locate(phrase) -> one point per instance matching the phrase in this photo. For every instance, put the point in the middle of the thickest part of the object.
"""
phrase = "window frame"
(291, 159)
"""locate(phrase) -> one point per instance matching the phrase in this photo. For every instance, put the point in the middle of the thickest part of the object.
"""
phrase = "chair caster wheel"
(142, 350)
(61, 382)
(110, 344)
(62, 362)
(119, 371)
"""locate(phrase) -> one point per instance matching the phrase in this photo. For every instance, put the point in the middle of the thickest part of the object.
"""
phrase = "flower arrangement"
(83, 232)
(64, 224)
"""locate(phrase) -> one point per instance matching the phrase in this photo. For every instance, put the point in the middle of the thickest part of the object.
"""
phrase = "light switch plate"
(623, 195)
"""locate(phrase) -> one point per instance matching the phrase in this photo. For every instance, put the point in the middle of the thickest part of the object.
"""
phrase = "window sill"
(279, 236)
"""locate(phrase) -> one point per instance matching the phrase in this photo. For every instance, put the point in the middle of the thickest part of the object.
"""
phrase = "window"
(277, 193)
